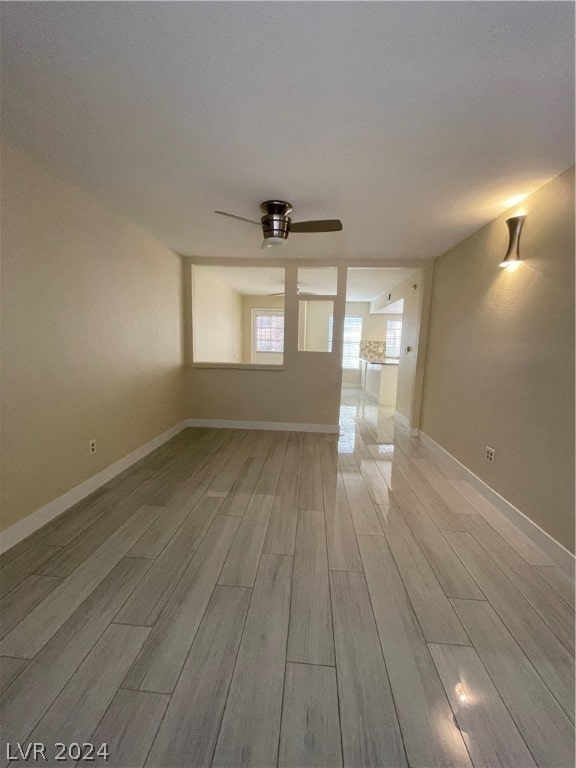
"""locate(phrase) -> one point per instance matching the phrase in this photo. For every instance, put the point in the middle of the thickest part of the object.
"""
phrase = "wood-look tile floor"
(270, 598)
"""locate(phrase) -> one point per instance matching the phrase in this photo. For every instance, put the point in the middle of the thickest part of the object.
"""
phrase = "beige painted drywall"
(248, 304)
(500, 362)
(416, 294)
(91, 337)
(306, 390)
(374, 326)
(361, 308)
(217, 318)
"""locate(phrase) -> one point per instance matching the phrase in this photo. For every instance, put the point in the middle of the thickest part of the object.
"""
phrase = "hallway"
(255, 598)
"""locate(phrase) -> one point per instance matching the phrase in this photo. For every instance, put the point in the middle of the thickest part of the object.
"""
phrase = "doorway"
(374, 351)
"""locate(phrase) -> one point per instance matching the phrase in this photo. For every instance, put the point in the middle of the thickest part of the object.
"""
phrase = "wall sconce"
(512, 258)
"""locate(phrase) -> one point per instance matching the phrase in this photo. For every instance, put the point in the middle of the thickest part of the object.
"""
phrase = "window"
(224, 300)
(393, 337)
(352, 336)
(268, 330)
(314, 334)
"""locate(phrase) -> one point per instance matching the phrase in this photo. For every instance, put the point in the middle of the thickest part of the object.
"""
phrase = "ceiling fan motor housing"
(276, 219)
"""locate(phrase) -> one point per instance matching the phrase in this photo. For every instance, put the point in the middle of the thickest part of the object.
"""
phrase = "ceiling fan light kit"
(271, 241)
(276, 223)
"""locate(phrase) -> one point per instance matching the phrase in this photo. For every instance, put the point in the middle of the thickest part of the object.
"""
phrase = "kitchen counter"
(383, 361)
(380, 379)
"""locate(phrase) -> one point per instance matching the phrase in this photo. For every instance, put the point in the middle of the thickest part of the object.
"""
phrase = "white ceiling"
(396, 308)
(369, 284)
(247, 281)
(363, 284)
(412, 122)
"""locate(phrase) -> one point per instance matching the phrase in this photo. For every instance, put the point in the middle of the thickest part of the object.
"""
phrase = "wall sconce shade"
(512, 258)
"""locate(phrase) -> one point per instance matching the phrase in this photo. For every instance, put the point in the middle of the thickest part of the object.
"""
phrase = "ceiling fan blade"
(240, 218)
(325, 225)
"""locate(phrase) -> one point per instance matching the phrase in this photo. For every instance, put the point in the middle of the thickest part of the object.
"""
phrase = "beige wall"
(306, 390)
(217, 318)
(91, 337)
(374, 326)
(500, 368)
(414, 334)
(248, 304)
(361, 308)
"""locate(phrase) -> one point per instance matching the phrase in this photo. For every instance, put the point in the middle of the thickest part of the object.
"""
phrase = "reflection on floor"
(271, 598)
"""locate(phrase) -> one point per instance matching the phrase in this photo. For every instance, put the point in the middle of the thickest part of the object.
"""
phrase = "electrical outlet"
(92, 446)
(490, 453)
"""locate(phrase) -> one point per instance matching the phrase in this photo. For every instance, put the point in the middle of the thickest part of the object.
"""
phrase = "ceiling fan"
(299, 292)
(276, 223)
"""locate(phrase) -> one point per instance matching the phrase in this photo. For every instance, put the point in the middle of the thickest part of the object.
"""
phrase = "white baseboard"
(556, 551)
(281, 426)
(401, 419)
(30, 524)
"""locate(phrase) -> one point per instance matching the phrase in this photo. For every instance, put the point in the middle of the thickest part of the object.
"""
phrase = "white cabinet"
(372, 380)
(380, 381)
(388, 384)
